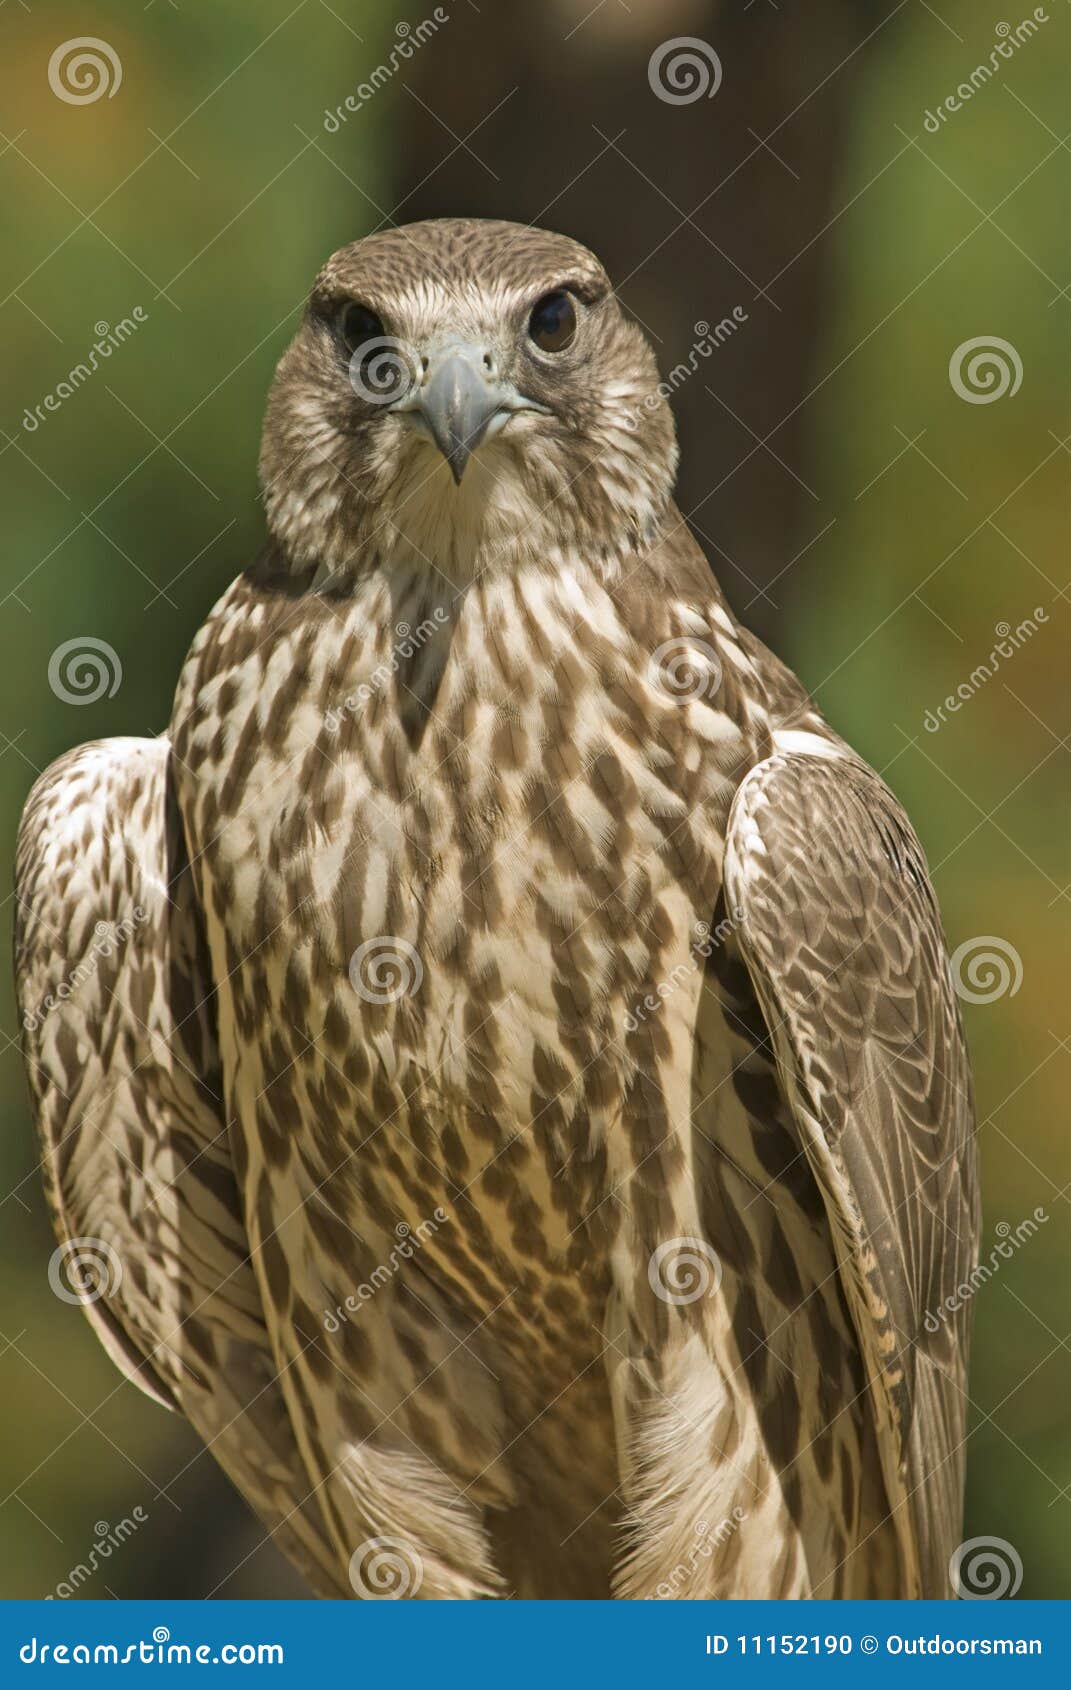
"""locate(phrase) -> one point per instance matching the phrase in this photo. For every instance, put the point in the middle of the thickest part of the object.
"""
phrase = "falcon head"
(458, 389)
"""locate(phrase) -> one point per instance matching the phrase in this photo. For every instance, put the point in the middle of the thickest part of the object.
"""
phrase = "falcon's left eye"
(552, 324)
(359, 324)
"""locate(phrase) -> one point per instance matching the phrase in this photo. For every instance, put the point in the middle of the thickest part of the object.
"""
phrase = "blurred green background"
(868, 520)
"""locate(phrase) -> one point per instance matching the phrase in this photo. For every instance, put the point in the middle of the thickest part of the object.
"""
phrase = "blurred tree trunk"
(544, 113)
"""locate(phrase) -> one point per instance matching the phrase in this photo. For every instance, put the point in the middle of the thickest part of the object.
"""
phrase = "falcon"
(518, 1111)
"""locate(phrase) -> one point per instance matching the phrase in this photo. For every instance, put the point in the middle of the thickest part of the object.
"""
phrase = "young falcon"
(527, 1128)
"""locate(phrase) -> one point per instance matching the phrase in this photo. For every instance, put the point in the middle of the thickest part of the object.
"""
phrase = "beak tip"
(458, 402)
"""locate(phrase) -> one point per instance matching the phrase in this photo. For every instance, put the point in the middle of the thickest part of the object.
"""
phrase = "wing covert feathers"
(120, 1047)
(839, 927)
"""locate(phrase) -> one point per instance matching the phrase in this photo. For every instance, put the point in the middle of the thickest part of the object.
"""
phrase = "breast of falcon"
(526, 1125)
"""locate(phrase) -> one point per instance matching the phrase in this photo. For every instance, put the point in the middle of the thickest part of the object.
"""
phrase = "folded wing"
(120, 1044)
(839, 927)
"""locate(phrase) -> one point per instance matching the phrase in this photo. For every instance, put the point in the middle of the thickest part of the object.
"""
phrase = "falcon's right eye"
(358, 324)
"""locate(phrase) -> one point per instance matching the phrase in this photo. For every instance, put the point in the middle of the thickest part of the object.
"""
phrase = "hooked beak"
(461, 399)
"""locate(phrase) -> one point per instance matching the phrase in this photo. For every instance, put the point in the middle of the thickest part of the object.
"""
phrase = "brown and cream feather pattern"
(526, 953)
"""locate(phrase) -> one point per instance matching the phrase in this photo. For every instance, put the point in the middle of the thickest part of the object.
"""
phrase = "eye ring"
(358, 323)
(552, 322)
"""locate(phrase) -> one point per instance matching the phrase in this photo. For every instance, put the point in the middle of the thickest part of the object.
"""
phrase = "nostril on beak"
(459, 397)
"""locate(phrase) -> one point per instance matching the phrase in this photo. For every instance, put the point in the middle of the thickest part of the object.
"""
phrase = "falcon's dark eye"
(552, 325)
(358, 324)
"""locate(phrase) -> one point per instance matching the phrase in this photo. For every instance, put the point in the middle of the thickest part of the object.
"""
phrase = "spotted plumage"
(532, 1115)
